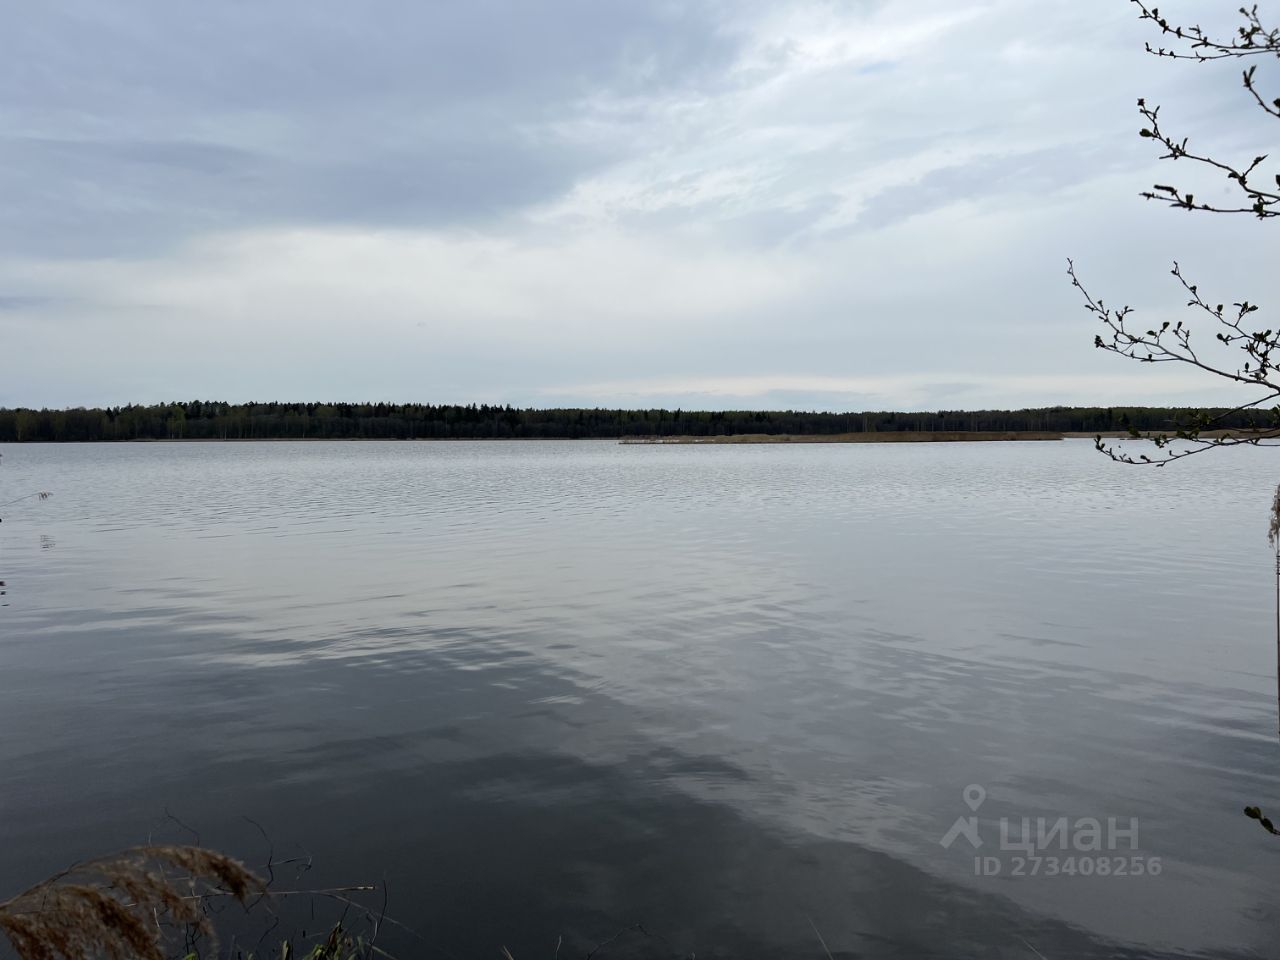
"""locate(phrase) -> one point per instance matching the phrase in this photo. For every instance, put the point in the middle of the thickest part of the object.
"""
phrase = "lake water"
(734, 693)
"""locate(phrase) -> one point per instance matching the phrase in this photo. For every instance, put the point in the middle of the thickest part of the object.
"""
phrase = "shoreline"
(884, 436)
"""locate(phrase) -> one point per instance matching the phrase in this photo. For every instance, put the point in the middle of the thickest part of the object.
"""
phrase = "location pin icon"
(974, 794)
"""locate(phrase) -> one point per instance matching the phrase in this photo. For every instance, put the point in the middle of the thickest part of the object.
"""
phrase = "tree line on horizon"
(212, 420)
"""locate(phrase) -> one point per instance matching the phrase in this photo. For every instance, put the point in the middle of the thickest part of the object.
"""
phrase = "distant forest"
(207, 420)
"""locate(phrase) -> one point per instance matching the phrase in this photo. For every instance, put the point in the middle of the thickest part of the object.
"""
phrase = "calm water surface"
(734, 693)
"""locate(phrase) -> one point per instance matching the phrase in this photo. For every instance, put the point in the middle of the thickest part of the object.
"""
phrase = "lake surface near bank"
(733, 692)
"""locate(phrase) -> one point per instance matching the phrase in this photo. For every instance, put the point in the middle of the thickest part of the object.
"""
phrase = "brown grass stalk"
(129, 906)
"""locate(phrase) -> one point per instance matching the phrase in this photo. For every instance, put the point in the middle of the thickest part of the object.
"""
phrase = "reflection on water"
(734, 693)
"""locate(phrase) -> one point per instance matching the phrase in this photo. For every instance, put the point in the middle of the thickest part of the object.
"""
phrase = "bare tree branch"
(1257, 366)
(1262, 203)
(1251, 39)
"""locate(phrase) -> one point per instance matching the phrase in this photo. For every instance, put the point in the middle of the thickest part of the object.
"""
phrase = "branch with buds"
(1261, 203)
(1251, 39)
(1172, 343)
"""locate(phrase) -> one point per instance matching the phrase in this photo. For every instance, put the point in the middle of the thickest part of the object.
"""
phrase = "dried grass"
(130, 906)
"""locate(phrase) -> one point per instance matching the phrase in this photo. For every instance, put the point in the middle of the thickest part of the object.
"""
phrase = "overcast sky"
(843, 205)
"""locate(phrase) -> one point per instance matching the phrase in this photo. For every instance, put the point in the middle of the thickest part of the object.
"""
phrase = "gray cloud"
(694, 203)
(144, 124)
(1018, 177)
(25, 302)
(94, 198)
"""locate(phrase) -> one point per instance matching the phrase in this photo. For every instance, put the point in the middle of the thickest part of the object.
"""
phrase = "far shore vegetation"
(212, 420)
(887, 436)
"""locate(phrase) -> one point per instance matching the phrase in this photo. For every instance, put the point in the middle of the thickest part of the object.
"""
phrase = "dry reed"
(130, 906)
